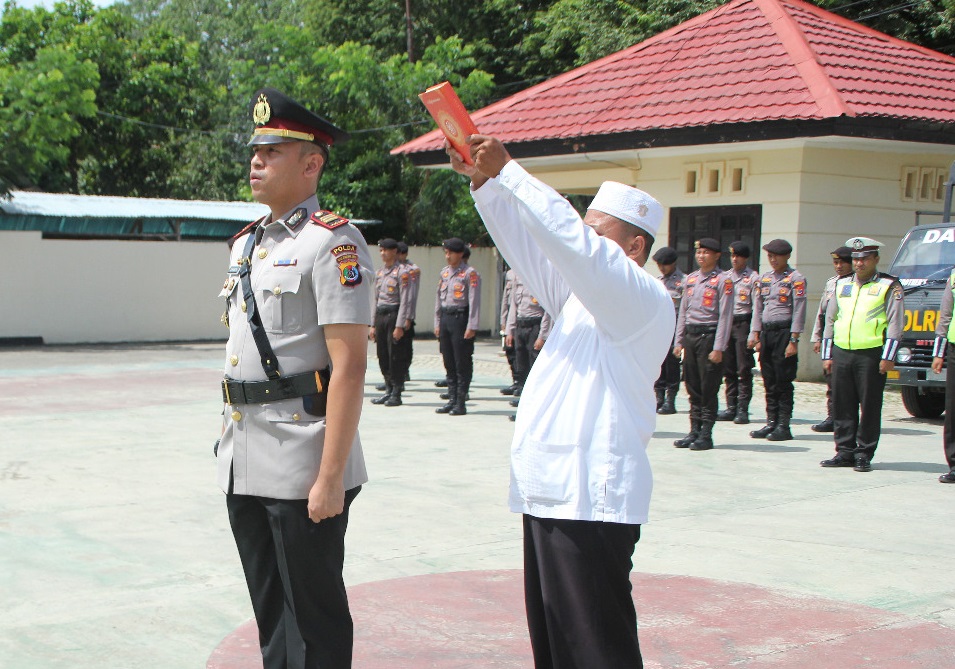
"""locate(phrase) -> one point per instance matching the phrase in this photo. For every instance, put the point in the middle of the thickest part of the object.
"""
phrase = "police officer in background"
(411, 273)
(393, 317)
(738, 360)
(457, 312)
(526, 330)
(842, 264)
(944, 351)
(508, 348)
(779, 316)
(863, 324)
(668, 383)
(702, 330)
(299, 296)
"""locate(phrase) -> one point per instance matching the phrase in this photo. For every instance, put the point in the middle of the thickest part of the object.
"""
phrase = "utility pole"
(409, 30)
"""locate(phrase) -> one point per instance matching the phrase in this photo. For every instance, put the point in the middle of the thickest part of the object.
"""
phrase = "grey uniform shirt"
(781, 296)
(304, 276)
(393, 288)
(459, 289)
(707, 300)
(410, 275)
(525, 305)
(827, 294)
(744, 284)
(674, 283)
(506, 298)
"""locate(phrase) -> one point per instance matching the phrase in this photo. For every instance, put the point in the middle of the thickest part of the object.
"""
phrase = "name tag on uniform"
(846, 291)
(875, 290)
(285, 262)
(234, 269)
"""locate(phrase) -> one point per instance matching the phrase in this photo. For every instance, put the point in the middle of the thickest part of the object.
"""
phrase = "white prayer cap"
(629, 204)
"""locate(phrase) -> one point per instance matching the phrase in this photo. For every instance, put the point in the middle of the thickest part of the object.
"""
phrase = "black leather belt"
(454, 311)
(777, 325)
(698, 329)
(387, 308)
(743, 318)
(283, 388)
(533, 320)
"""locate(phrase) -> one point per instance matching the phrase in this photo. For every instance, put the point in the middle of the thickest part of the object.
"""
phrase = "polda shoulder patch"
(328, 220)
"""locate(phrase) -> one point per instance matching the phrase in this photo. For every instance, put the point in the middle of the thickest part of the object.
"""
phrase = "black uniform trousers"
(458, 352)
(293, 569)
(857, 388)
(394, 357)
(577, 592)
(948, 433)
(701, 376)
(525, 334)
(778, 371)
(669, 372)
(738, 363)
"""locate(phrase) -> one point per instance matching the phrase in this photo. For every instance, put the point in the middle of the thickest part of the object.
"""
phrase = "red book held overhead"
(452, 118)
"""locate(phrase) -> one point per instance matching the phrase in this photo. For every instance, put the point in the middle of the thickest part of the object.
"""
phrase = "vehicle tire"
(923, 405)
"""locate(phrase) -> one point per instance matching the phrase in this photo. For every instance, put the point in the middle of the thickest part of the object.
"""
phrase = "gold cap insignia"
(261, 112)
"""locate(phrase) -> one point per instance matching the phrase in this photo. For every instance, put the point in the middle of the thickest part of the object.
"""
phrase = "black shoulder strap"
(270, 363)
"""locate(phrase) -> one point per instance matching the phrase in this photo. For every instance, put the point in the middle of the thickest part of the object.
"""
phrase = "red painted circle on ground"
(471, 620)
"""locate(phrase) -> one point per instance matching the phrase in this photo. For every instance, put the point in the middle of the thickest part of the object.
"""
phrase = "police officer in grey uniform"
(702, 331)
(738, 360)
(842, 264)
(944, 353)
(299, 301)
(779, 316)
(457, 312)
(864, 322)
(508, 348)
(412, 274)
(392, 319)
(526, 329)
(668, 383)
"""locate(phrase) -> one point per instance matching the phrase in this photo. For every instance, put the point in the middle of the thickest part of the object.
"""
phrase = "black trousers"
(779, 372)
(525, 334)
(669, 372)
(458, 352)
(293, 569)
(394, 357)
(857, 388)
(701, 376)
(948, 433)
(738, 363)
(577, 592)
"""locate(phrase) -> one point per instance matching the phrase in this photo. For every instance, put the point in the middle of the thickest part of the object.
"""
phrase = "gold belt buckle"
(318, 382)
(225, 384)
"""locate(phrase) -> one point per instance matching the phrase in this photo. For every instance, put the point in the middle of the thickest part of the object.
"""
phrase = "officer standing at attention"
(944, 351)
(842, 263)
(738, 360)
(668, 384)
(863, 325)
(457, 313)
(508, 348)
(412, 274)
(702, 330)
(299, 302)
(779, 316)
(392, 316)
(526, 330)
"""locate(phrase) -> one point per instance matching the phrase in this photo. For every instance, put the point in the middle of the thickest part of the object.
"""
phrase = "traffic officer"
(508, 348)
(392, 316)
(526, 330)
(299, 303)
(779, 316)
(668, 383)
(842, 263)
(944, 352)
(412, 274)
(457, 312)
(702, 330)
(863, 326)
(738, 360)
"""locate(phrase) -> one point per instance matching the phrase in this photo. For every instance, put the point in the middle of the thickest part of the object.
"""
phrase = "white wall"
(70, 291)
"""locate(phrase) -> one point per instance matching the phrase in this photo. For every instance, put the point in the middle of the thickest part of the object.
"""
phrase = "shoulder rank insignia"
(328, 220)
(296, 218)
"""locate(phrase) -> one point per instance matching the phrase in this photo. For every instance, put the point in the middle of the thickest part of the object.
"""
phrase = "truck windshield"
(925, 254)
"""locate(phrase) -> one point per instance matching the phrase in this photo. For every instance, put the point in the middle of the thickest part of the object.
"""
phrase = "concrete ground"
(115, 549)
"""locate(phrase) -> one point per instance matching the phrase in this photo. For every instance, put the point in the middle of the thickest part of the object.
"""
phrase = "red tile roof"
(746, 61)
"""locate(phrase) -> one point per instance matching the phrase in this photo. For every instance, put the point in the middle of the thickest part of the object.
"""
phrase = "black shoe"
(514, 403)
(824, 426)
(667, 409)
(446, 396)
(862, 464)
(780, 433)
(446, 408)
(837, 461)
(509, 390)
(517, 391)
(382, 399)
(702, 444)
(512, 417)
(947, 478)
(443, 383)
(763, 432)
(742, 418)
(726, 414)
(394, 400)
(381, 386)
(687, 440)
(458, 410)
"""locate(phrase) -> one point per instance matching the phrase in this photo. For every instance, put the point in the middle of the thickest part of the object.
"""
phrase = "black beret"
(454, 245)
(779, 247)
(739, 249)
(842, 253)
(388, 243)
(402, 248)
(278, 119)
(708, 243)
(665, 256)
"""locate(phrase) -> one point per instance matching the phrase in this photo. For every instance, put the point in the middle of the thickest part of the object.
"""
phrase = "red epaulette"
(328, 220)
(244, 230)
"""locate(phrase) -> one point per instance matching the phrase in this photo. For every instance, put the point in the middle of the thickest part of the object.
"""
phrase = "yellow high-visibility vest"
(861, 320)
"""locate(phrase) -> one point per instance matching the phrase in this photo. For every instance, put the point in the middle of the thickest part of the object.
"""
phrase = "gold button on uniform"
(234, 360)
(236, 416)
(231, 284)
(263, 253)
(277, 290)
(295, 416)
(244, 307)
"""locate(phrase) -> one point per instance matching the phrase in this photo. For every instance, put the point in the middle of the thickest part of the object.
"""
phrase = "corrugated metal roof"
(26, 203)
(746, 61)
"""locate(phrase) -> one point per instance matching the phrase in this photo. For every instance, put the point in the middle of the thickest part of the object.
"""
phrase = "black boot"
(395, 399)
(742, 412)
(660, 393)
(729, 413)
(781, 431)
(459, 409)
(824, 426)
(704, 441)
(668, 408)
(384, 398)
(691, 437)
(452, 398)
(765, 430)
